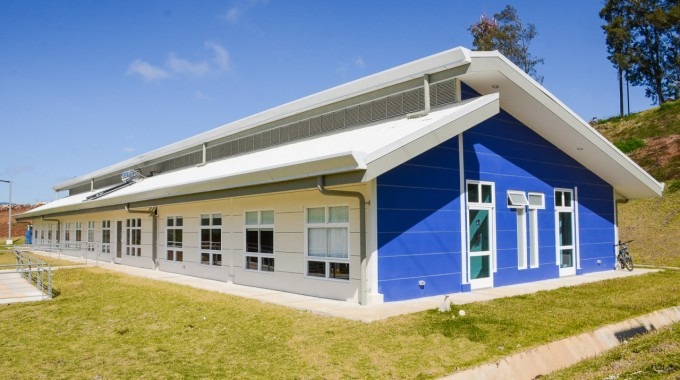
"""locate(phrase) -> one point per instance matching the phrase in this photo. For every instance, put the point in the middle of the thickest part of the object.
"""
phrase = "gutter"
(362, 230)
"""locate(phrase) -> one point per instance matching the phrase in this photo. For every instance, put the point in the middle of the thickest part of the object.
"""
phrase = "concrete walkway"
(347, 310)
(15, 288)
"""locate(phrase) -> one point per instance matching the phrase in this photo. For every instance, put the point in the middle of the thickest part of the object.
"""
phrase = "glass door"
(480, 234)
(564, 223)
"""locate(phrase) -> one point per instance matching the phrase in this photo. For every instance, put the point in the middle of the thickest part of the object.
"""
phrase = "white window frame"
(67, 235)
(90, 236)
(260, 257)
(558, 248)
(133, 237)
(328, 261)
(213, 252)
(534, 228)
(79, 234)
(174, 249)
(517, 200)
(480, 204)
(106, 243)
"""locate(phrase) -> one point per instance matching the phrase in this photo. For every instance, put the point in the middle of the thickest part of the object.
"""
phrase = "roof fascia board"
(469, 115)
(494, 61)
(438, 62)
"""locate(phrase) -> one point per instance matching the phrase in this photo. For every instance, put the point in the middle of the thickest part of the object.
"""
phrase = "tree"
(643, 42)
(506, 33)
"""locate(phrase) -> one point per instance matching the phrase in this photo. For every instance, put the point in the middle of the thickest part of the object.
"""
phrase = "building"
(450, 173)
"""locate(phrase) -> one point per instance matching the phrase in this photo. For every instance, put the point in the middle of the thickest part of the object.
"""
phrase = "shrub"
(627, 146)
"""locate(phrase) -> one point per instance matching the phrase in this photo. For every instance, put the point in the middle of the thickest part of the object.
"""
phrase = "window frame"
(90, 236)
(106, 236)
(329, 262)
(214, 255)
(133, 237)
(172, 252)
(259, 255)
(534, 248)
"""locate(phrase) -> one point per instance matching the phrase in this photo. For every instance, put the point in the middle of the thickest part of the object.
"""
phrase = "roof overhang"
(537, 108)
(367, 151)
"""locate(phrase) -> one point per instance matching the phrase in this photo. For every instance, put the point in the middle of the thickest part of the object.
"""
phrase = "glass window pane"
(558, 199)
(567, 258)
(316, 268)
(267, 264)
(217, 259)
(473, 192)
(205, 238)
(337, 242)
(316, 215)
(267, 217)
(252, 243)
(536, 200)
(216, 238)
(251, 262)
(487, 195)
(566, 233)
(567, 199)
(339, 214)
(479, 230)
(339, 271)
(178, 238)
(205, 258)
(179, 222)
(170, 237)
(267, 241)
(316, 245)
(479, 267)
(170, 255)
(170, 222)
(205, 220)
(251, 218)
(179, 256)
(217, 220)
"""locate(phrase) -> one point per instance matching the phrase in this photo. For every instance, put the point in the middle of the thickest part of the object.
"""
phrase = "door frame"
(486, 282)
(566, 271)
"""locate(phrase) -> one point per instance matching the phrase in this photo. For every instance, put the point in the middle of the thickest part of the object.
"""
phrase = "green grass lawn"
(116, 326)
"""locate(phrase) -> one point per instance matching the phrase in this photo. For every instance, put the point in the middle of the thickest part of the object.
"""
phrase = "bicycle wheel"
(628, 262)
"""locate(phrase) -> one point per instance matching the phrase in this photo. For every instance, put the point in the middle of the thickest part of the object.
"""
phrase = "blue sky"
(85, 84)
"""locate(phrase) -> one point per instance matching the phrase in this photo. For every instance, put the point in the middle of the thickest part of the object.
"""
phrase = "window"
(90, 236)
(211, 239)
(106, 236)
(327, 230)
(259, 241)
(67, 234)
(518, 201)
(173, 235)
(480, 193)
(536, 202)
(564, 221)
(49, 233)
(481, 232)
(133, 237)
(79, 234)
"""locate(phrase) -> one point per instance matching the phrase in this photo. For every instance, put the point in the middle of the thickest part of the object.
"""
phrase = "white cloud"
(233, 15)
(146, 70)
(176, 66)
(127, 149)
(359, 62)
(236, 12)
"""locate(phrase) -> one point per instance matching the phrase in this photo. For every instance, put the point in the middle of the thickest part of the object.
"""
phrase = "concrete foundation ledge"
(567, 352)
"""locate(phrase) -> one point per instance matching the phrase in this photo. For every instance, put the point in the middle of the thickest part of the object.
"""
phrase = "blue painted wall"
(419, 210)
(419, 226)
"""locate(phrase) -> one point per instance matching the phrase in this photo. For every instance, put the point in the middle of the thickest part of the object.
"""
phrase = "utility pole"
(9, 219)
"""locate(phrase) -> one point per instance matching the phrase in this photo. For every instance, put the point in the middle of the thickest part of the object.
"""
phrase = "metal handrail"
(36, 271)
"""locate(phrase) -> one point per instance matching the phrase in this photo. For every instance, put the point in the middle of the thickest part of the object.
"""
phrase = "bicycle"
(625, 261)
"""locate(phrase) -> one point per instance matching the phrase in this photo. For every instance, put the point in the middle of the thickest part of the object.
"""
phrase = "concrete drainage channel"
(566, 352)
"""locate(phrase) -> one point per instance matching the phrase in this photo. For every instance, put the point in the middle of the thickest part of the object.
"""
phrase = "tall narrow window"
(67, 235)
(259, 241)
(90, 236)
(79, 234)
(564, 221)
(328, 242)
(211, 239)
(106, 236)
(536, 202)
(518, 201)
(133, 237)
(174, 225)
(481, 232)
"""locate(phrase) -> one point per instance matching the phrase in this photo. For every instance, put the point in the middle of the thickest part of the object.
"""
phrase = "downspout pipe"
(58, 227)
(362, 231)
(153, 213)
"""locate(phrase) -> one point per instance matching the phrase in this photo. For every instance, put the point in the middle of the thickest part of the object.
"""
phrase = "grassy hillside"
(652, 139)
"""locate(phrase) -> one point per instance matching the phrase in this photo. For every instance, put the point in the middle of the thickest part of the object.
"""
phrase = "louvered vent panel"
(352, 116)
(339, 120)
(379, 109)
(394, 105)
(266, 139)
(364, 113)
(303, 129)
(315, 126)
(411, 101)
(445, 93)
(326, 123)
